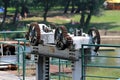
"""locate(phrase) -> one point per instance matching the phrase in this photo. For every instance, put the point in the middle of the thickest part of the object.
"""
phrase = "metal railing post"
(24, 61)
(59, 69)
(24, 53)
(4, 36)
(18, 55)
(83, 62)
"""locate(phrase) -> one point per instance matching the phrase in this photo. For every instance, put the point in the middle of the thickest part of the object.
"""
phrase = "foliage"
(109, 20)
(86, 8)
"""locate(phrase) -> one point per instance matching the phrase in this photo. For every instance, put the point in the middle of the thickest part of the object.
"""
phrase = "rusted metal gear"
(62, 39)
(33, 34)
(94, 34)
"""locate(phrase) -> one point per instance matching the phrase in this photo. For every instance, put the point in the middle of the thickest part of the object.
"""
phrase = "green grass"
(103, 73)
(109, 20)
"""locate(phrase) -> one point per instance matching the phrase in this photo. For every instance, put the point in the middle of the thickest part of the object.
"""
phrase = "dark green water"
(105, 61)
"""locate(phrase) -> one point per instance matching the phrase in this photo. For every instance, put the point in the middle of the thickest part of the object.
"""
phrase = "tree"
(16, 11)
(5, 4)
(92, 8)
(1, 3)
(86, 8)
(24, 8)
(67, 6)
(47, 5)
(69, 3)
(73, 6)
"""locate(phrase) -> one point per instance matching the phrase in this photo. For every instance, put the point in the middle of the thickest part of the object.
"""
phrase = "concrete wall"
(109, 33)
(110, 37)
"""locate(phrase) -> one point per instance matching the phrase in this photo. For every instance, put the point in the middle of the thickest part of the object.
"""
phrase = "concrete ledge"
(110, 40)
(109, 33)
(107, 48)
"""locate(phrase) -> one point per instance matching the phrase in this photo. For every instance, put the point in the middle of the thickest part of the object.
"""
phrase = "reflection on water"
(105, 61)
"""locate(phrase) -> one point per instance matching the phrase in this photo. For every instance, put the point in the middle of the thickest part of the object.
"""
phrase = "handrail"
(3, 32)
(8, 32)
(101, 45)
(18, 53)
(84, 64)
(18, 45)
(23, 51)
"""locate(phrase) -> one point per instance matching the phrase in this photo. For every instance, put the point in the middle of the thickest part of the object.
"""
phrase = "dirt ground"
(6, 75)
(30, 73)
(12, 75)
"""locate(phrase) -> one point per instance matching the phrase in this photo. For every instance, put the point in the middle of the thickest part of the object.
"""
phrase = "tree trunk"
(88, 19)
(24, 10)
(82, 20)
(78, 10)
(67, 6)
(45, 16)
(46, 8)
(4, 15)
(73, 6)
(16, 13)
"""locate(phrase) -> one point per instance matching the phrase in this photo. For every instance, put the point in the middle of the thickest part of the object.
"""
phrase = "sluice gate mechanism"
(47, 42)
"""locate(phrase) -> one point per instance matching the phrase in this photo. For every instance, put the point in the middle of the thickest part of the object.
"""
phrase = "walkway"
(8, 76)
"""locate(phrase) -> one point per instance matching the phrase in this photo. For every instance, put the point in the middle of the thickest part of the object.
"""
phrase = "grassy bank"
(108, 20)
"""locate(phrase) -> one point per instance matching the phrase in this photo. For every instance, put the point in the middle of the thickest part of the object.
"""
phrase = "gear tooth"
(37, 29)
(68, 39)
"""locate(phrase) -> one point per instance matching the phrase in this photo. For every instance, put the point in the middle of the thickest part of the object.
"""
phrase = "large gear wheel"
(94, 34)
(33, 34)
(62, 39)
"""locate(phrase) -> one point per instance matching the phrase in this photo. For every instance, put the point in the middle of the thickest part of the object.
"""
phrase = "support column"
(42, 68)
(1, 50)
(77, 68)
(76, 71)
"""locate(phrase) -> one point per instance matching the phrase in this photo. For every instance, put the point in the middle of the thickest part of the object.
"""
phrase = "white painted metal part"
(47, 37)
(79, 40)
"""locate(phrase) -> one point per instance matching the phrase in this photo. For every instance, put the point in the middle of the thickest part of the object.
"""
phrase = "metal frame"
(89, 65)
(46, 51)
(23, 51)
